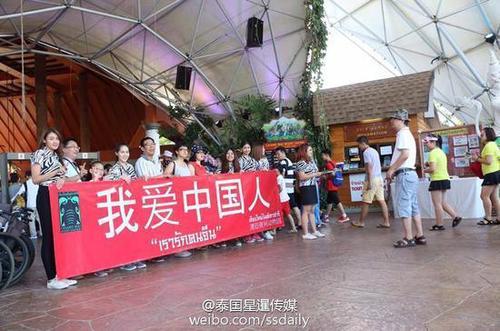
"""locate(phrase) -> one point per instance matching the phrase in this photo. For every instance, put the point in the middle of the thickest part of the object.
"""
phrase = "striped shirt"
(264, 164)
(307, 168)
(287, 170)
(248, 163)
(48, 161)
(118, 170)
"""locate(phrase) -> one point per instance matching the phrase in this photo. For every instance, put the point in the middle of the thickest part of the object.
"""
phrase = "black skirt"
(491, 179)
(308, 195)
(440, 185)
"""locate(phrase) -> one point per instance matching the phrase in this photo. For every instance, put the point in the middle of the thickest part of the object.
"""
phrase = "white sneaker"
(268, 236)
(309, 236)
(319, 234)
(70, 282)
(56, 284)
(183, 254)
(101, 274)
(140, 265)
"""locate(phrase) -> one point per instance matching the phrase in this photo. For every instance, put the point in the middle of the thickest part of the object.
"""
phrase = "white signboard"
(356, 185)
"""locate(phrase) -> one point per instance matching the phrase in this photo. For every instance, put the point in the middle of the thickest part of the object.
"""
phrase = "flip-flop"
(456, 221)
(357, 225)
(383, 226)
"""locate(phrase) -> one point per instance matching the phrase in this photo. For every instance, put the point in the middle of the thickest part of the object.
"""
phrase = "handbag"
(475, 167)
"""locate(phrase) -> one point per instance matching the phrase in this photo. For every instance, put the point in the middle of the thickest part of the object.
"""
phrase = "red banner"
(101, 225)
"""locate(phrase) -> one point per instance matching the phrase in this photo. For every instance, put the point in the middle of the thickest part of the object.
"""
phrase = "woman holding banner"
(229, 164)
(180, 168)
(307, 173)
(47, 169)
(248, 163)
(122, 170)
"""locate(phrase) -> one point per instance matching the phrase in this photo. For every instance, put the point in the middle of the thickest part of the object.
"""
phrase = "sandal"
(383, 226)
(495, 222)
(436, 227)
(356, 225)
(484, 221)
(421, 240)
(404, 243)
(456, 221)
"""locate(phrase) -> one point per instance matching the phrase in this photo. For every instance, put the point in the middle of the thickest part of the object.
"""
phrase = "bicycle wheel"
(31, 249)
(19, 250)
(8, 267)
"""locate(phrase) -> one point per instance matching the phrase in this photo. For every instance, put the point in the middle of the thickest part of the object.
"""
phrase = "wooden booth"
(364, 110)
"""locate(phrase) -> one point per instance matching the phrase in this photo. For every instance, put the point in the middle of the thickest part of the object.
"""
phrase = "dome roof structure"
(141, 43)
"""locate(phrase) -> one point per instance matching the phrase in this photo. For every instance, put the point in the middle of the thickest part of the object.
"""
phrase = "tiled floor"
(351, 280)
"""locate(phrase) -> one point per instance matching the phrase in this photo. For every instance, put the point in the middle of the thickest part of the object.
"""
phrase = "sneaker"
(238, 244)
(140, 265)
(258, 238)
(158, 259)
(343, 219)
(292, 231)
(319, 234)
(129, 267)
(101, 274)
(268, 236)
(34, 237)
(183, 254)
(70, 282)
(309, 236)
(249, 240)
(224, 245)
(56, 284)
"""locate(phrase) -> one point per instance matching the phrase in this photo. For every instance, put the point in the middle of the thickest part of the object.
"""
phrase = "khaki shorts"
(376, 192)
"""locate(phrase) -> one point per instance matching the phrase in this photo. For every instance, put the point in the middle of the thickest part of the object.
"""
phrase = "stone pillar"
(152, 131)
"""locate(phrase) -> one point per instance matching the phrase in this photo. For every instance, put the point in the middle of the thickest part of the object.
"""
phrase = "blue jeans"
(406, 202)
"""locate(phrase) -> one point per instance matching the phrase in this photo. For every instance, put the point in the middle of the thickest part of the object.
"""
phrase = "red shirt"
(330, 165)
(199, 170)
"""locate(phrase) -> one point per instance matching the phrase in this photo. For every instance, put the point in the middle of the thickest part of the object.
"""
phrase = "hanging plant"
(316, 45)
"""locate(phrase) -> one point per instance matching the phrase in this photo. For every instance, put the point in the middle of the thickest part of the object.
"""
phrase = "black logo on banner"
(69, 212)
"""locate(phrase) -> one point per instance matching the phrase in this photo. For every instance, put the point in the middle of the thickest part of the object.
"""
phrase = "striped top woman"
(122, 169)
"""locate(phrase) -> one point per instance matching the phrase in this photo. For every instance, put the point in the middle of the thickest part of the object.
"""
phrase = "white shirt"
(370, 156)
(283, 194)
(149, 168)
(31, 194)
(405, 140)
(72, 168)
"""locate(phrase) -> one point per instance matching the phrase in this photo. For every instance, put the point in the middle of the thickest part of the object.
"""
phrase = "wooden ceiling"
(115, 115)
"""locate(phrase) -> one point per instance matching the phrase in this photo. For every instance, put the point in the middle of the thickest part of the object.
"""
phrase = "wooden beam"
(27, 79)
(41, 93)
(84, 112)
(58, 111)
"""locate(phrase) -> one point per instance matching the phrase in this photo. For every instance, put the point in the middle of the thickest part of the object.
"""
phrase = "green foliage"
(316, 44)
(251, 113)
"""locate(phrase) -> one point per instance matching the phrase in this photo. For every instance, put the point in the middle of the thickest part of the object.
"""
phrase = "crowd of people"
(298, 182)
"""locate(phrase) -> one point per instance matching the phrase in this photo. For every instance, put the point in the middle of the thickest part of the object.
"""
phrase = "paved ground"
(351, 280)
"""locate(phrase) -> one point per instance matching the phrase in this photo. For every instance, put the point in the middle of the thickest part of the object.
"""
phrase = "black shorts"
(292, 201)
(308, 195)
(491, 179)
(332, 198)
(440, 185)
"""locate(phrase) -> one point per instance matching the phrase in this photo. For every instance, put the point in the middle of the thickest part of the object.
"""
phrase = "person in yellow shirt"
(437, 167)
(491, 172)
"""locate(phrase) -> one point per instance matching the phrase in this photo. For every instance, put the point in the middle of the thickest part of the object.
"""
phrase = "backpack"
(337, 178)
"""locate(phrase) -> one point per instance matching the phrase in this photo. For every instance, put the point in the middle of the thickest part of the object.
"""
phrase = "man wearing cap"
(402, 169)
